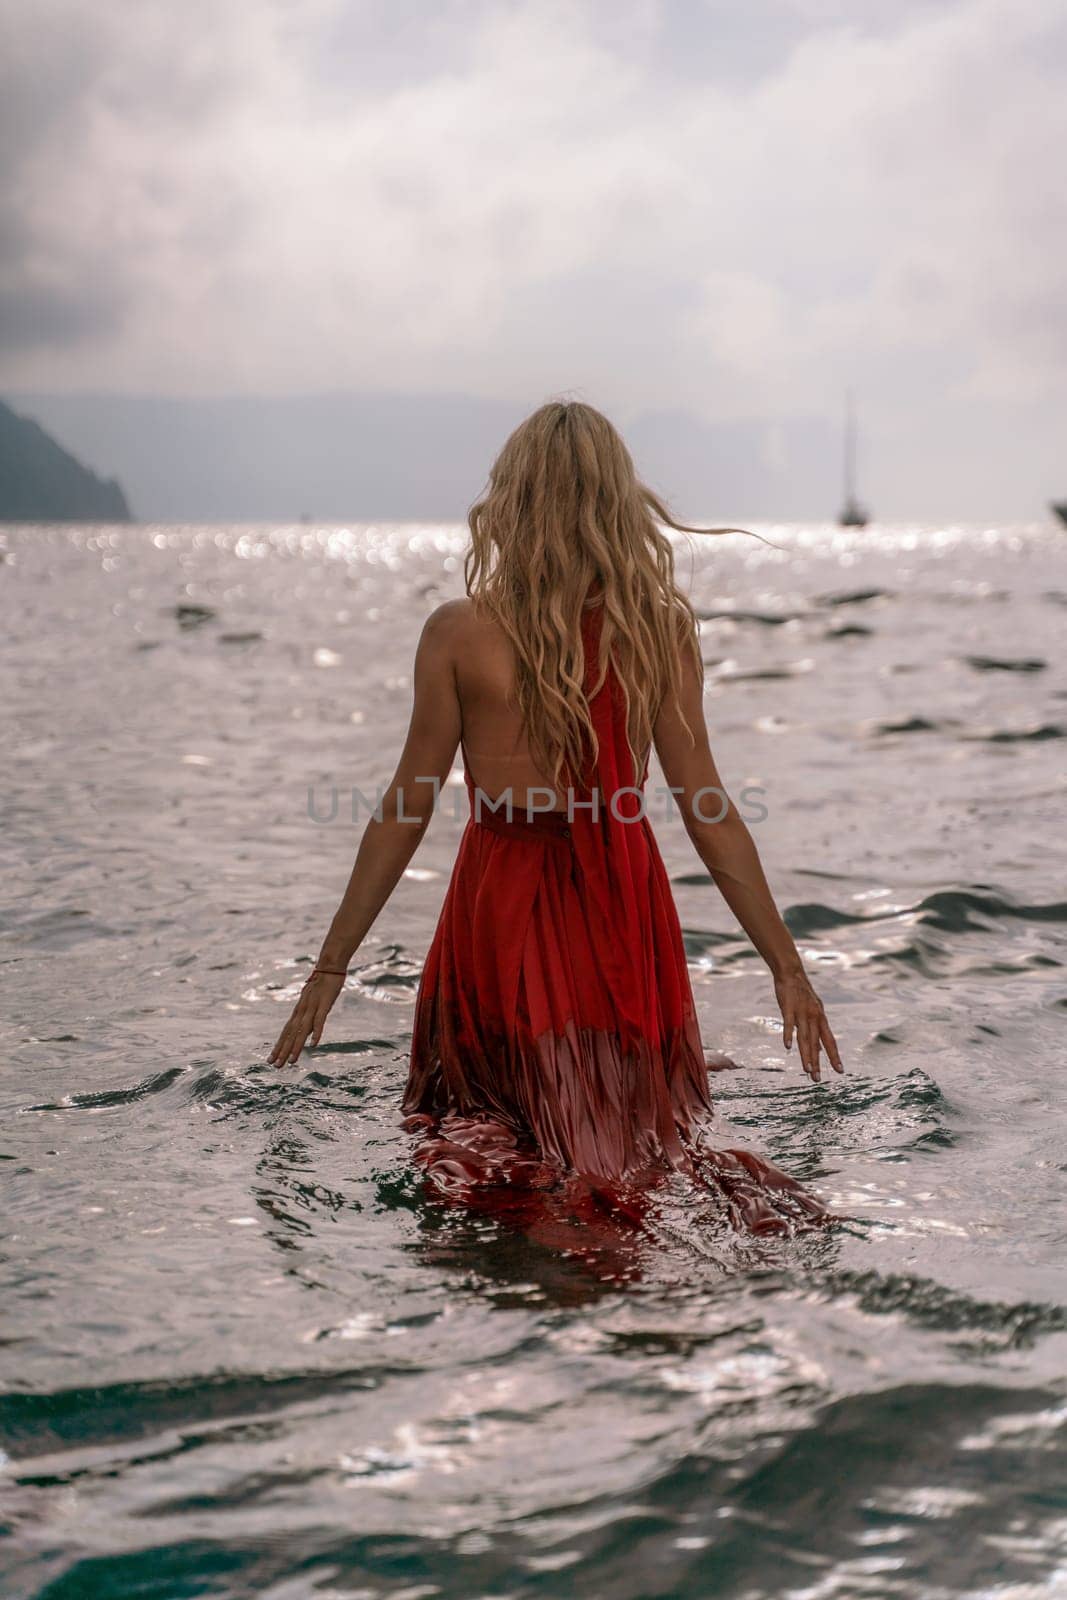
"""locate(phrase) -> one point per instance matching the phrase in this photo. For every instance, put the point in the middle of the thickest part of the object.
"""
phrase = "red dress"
(555, 1031)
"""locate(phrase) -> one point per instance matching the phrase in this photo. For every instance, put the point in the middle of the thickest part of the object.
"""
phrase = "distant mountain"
(41, 482)
(363, 456)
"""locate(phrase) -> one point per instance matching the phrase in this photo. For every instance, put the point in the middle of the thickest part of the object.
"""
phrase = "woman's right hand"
(803, 1017)
(308, 1017)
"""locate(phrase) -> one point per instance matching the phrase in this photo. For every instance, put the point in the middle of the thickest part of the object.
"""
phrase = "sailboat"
(853, 514)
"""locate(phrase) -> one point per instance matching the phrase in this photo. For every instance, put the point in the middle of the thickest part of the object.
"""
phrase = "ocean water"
(243, 1353)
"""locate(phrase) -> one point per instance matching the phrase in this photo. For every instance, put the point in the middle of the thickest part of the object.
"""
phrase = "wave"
(96, 1100)
(729, 672)
(1002, 664)
(968, 909)
(958, 910)
(854, 597)
(762, 1491)
(911, 725)
(40, 1423)
(1038, 734)
(190, 616)
(999, 1325)
(765, 619)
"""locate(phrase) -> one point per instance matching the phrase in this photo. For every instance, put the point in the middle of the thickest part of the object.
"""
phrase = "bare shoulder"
(447, 615)
(462, 624)
(456, 634)
(445, 624)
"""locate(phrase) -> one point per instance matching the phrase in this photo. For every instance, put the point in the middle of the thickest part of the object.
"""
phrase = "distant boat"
(1060, 508)
(853, 514)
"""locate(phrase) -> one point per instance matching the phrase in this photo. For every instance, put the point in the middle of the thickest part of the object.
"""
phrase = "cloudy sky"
(727, 208)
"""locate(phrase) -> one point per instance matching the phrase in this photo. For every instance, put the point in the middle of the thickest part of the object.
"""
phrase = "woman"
(555, 1031)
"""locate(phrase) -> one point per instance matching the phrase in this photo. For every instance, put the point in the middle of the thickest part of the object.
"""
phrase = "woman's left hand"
(308, 1017)
(803, 1016)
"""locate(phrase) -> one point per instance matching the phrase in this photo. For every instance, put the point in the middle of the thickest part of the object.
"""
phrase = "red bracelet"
(327, 972)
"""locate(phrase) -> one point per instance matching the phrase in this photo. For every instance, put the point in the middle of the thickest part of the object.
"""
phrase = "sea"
(243, 1352)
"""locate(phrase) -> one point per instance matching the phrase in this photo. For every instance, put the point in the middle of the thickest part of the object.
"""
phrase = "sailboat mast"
(852, 513)
(850, 448)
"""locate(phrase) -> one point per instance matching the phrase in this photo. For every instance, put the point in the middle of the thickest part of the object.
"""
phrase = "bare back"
(496, 751)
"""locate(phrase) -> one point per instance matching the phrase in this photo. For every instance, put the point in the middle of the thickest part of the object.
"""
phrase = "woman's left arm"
(387, 844)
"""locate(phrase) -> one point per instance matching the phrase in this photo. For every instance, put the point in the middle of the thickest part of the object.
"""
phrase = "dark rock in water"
(239, 638)
(190, 616)
(41, 482)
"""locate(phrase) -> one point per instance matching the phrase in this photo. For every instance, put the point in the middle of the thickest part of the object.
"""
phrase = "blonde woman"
(555, 1032)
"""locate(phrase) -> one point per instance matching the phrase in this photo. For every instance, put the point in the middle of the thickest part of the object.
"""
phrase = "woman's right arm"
(729, 852)
(389, 841)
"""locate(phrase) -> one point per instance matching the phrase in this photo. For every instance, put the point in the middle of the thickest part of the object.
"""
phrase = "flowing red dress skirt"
(555, 1029)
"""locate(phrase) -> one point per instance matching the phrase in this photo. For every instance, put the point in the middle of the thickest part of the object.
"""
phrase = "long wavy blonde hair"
(565, 518)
